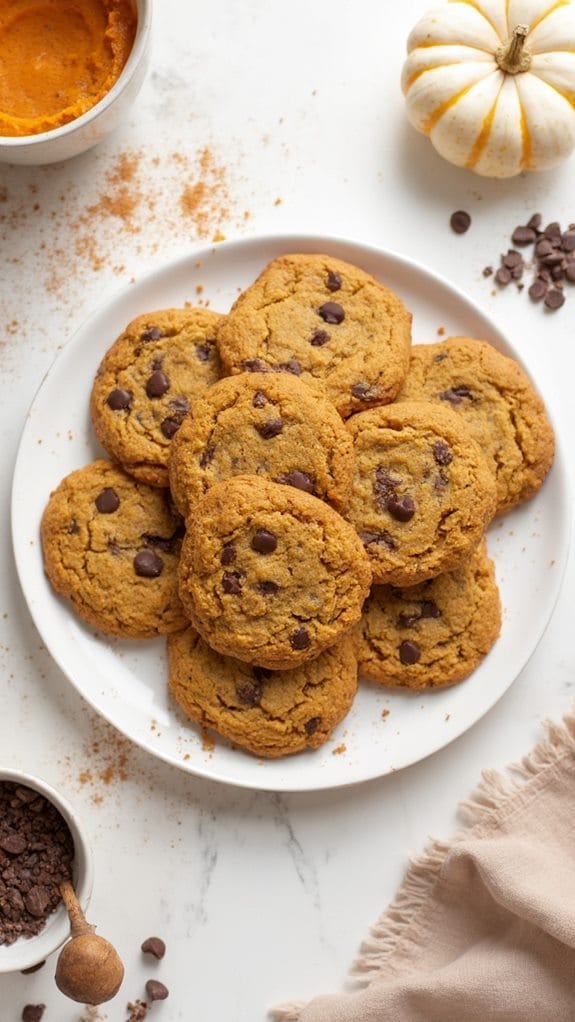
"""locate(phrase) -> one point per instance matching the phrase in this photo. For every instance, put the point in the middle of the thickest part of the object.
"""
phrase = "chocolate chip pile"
(552, 262)
(36, 855)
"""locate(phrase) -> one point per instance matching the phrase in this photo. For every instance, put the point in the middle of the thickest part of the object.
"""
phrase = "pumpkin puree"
(58, 58)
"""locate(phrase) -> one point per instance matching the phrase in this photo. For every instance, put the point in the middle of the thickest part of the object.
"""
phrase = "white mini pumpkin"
(492, 83)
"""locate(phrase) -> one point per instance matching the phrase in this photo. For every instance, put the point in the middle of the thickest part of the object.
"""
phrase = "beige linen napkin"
(483, 927)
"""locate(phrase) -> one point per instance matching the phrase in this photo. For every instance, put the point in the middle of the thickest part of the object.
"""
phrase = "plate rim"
(289, 241)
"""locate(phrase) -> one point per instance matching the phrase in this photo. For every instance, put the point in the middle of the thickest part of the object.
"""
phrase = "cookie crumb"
(339, 749)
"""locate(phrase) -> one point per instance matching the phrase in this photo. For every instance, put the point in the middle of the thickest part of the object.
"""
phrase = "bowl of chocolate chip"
(42, 844)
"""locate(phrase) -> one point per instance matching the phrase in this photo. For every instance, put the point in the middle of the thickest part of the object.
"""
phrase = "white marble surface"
(292, 117)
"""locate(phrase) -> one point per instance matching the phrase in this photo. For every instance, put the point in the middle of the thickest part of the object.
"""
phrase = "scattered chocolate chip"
(156, 991)
(259, 399)
(554, 299)
(535, 221)
(299, 638)
(441, 453)
(301, 480)
(455, 395)
(231, 583)
(568, 241)
(157, 384)
(460, 221)
(409, 652)
(153, 333)
(203, 352)
(119, 400)
(154, 946)
(512, 259)
(228, 554)
(331, 312)
(538, 289)
(333, 282)
(269, 429)
(401, 508)
(33, 1012)
(206, 456)
(148, 564)
(487, 271)
(107, 501)
(524, 236)
(382, 538)
(503, 275)
(268, 588)
(312, 725)
(319, 338)
(264, 542)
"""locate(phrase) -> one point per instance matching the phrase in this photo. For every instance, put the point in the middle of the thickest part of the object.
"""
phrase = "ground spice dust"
(105, 762)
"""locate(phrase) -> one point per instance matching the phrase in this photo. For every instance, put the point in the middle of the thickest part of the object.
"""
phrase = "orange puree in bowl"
(58, 58)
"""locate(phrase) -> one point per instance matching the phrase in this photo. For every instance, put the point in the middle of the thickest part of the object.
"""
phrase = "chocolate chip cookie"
(111, 546)
(268, 713)
(147, 381)
(270, 574)
(495, 398)
(434, 634)
(325, 320)
(422, 493)
(261, 424)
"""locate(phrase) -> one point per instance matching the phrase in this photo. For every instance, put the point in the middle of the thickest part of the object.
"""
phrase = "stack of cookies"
(296, 496)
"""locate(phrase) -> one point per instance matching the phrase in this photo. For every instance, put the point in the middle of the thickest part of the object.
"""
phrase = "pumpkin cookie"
(324, 320)
(422, 493)
(261, 424)
(268, 713)
(146, 383)
(497, 401)
(111, 546)
(434, 634)
(270, 574)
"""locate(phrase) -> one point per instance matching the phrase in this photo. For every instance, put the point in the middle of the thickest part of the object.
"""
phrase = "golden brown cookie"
(270, 574)
(111, 546)
(434, 634)
(147, 381)
(422, 492)
(268, 713)
(325, 320)
(268, 424)
(499, 404)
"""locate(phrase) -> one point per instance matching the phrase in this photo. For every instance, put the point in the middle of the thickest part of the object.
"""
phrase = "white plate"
(126, 681)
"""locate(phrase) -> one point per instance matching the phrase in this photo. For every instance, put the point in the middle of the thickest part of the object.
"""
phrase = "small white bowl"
(26, 952)
(86, 131)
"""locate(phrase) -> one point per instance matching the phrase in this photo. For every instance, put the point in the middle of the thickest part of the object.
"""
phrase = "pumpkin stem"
(513, 56)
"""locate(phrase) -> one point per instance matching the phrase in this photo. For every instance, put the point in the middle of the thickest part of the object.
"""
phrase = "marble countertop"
(255, 119)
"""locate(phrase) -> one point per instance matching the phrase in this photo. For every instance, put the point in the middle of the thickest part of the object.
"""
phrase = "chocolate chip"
(154, 946)
(255, 365)
(523, 236)
(73, 528)
(312, 725)
(364, 391)
(409, 652)
(381, 538)
(554, 299)
(249, 691)
(512, 259)
(259, 399)
(319, 338)
(401, 508)
(206, 456)
(33, 1012)
(538, 290)
(169, 427)
(107, 501)
(460, 221)
(570, 272)
(331, 312)
(157, 384)
(384, 487)
(455, 395)
(228, 554)
(169, 544)
(301, 480)
(156, 991)
(268, 588)
(119, 400)
(148, 564)
(442, 453)
(203, 352)
(429, 608)
(291, 366)
(535, 221)
(553, 230)
(299, 638)
(568, 241)
(408, 620)
(153, 333)
(333, 282)
(269, 429)
(503, 275)
(231, 583)
(264, 542)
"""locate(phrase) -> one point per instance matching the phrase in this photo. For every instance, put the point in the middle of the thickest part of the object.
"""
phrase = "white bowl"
(86, 131)
(27, 952)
